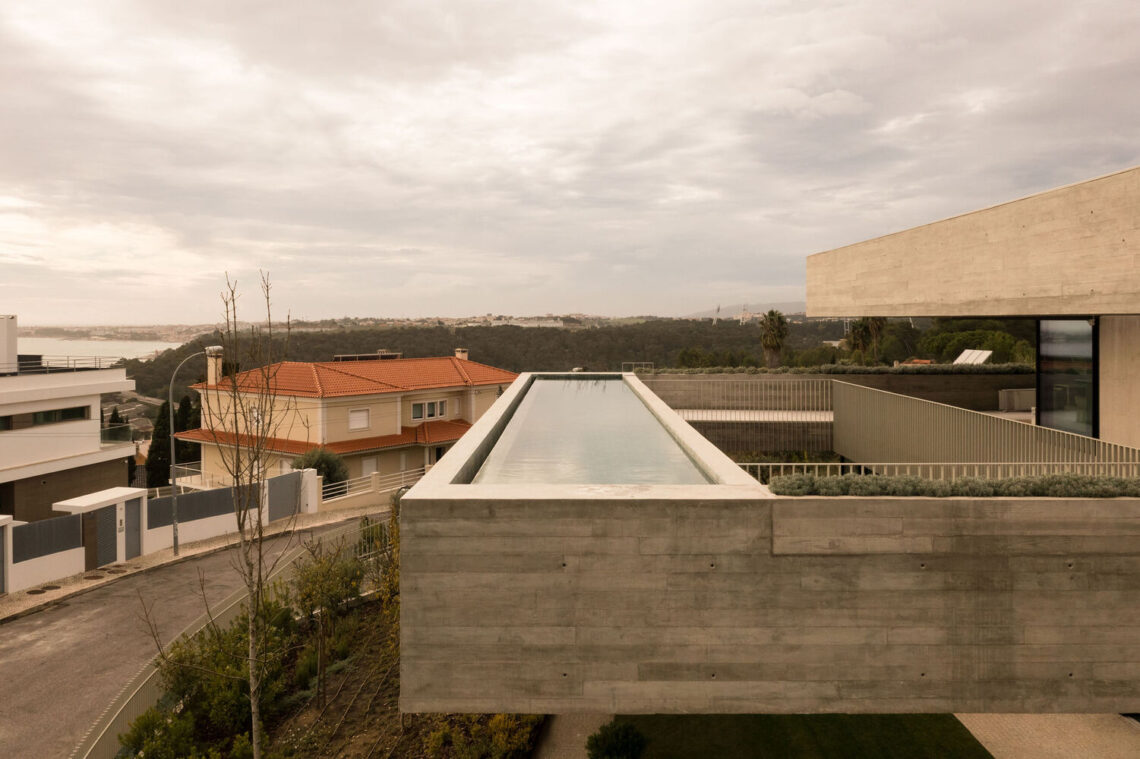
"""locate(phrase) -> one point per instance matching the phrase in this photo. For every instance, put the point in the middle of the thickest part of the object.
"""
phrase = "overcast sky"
(448, 158)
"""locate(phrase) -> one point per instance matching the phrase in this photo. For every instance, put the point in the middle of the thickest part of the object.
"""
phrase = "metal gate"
(134, 528)
(107, 540)
(284, 496)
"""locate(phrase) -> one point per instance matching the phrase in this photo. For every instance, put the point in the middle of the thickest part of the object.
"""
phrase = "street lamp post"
(210, 352)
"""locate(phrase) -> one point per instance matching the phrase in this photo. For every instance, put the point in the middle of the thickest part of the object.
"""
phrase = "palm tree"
(773, 333)
(875, 326)
(865, 334)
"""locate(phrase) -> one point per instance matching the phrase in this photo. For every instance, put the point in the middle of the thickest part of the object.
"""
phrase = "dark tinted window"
(1066, 376)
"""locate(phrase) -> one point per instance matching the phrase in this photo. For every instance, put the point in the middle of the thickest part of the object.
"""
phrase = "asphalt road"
(61, 666)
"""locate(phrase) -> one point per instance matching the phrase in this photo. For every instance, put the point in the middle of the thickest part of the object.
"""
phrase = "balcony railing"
(42, 364)
(374, 483)
(116, 434)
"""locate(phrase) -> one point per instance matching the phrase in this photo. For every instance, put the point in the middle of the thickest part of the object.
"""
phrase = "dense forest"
(664, 342)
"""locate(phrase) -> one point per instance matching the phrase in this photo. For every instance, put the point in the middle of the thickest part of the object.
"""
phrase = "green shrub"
(1041, 486)
(616, 740)
(206, 677)
(328, 465)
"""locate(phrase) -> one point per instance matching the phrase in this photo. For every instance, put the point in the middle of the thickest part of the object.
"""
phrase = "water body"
(587, 432)
(58, 346)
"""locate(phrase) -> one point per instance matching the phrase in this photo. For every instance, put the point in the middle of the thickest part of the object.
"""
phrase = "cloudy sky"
(617, 157)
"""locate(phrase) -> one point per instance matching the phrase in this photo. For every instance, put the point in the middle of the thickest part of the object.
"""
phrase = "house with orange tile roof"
(382, 414)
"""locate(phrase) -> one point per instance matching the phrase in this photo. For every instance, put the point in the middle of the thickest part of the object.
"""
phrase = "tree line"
(664, 342)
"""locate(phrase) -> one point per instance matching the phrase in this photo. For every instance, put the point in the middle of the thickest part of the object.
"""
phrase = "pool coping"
(450, 477)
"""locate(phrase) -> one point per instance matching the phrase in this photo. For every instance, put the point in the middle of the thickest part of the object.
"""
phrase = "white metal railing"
(42, 364)
(146, 688)
(371, 483)
(190, 476)
(941, 470)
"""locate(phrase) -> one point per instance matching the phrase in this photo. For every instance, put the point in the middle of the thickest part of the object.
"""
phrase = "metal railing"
(774, 413)
(41, 364)
(371, 483)
(876, 425)
(772, 393)
(190, 476)
(985, 470)
(146, 688)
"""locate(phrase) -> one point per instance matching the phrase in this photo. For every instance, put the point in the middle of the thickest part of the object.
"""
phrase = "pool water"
(586, 431)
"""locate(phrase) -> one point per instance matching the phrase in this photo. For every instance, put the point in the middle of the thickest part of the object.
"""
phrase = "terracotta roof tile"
(332, 379)
(428, 433)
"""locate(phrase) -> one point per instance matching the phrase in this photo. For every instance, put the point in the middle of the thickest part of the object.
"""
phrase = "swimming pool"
(589, 430)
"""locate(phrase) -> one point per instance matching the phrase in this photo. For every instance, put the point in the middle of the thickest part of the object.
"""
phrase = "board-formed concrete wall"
(780, 605)
(1074, 250)
(1119, 392)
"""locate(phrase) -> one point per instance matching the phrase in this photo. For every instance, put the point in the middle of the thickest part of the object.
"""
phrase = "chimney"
(461, 353)
(213, 364)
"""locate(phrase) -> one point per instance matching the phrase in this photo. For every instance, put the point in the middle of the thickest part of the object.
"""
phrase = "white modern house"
(52, 446)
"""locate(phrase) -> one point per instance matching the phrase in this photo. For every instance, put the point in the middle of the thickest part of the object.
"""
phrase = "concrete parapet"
(783, 605)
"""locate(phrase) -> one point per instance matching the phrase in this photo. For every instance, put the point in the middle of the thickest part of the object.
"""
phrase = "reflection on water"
(586, 431)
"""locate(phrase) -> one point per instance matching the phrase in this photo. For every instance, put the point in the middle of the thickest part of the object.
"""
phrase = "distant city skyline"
(413, 159)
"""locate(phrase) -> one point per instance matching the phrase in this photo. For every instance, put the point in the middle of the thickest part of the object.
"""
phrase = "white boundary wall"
(33, 572)
(66, 563)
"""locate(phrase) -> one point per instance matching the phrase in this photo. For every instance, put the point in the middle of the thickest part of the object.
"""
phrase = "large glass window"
(1066, 375)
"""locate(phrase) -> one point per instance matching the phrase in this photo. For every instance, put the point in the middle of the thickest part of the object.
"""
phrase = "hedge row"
(854, 369)
(1044, 486)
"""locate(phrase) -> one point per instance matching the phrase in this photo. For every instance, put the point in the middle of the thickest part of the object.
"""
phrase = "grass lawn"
(823, 736)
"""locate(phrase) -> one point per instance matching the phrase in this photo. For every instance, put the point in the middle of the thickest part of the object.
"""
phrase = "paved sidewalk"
(1055, 736)
(63, 662)
(564, 736)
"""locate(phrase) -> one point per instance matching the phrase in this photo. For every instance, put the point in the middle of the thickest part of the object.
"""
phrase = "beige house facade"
(385, 415)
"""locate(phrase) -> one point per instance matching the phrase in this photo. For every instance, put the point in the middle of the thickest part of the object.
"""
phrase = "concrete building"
(52, 446)
(384, 416)
(632, 594)
(1069, 258)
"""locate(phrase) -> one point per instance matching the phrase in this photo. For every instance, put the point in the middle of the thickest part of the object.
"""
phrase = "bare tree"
(244, 415)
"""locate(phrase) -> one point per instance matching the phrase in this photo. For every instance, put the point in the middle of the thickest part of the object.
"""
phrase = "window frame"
(367, 419)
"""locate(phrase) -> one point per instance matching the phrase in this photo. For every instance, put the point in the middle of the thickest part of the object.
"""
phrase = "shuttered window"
(358, 419)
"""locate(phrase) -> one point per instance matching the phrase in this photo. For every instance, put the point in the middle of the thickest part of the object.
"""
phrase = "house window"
(358, 419)
(429, 409)
(5, 423)
(60, 415)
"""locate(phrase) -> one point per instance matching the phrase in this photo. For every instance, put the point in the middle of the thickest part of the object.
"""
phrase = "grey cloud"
(413, 158)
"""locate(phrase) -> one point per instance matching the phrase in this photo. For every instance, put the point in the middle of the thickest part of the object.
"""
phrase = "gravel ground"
(1055, 736)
